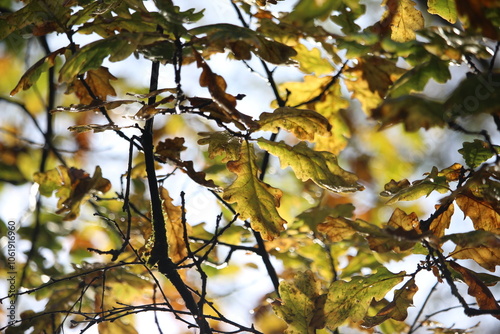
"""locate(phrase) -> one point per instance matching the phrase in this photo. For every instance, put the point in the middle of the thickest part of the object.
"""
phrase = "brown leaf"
(217, 87)
(177, 249)
(481, 212)
(170, 149)
(337, 229)
(474, 15)
(442, 222)
(98, 80)
(477, 289)
(480, 246)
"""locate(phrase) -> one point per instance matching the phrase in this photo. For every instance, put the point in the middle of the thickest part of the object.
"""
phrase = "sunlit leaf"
(221, 144)
(350, 300)
(119, 326)
(73, 187)
(397, 309)
(312, 61)
(98, 80)
(444, 8)
(303, 123)
(255, 200)
(320, 167)
(442, 222)
(306, 10)
(420, 188)
(481, 246)
(31, 76)
(217, 87)
(417, 78)
(91, 56)
(177, 249)
(484, 297)
(481, 212)
(476, 153)
(298, 303)
(243, 41)
(402, 19)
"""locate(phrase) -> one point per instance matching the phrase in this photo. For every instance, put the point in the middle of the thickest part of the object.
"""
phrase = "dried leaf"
(485, 299)
(481, 246)
(177, 249)
(397, 309)
(481, 212)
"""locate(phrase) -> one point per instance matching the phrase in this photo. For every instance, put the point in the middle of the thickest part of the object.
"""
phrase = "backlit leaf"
(482, 214)
(73, 186)
(177, 249)
(31, 76)
(442, 222)
(298, 303)
(480, 246)
(255, 200)
(303, 123)
(444, 8)
(397, 309)
(350, 300)
(118, 47)
(221, 144)
(420, 188)
(320, 167)
(413, 111)
(402, 19)
(484, 297)
(306, 10)
(476, 153)
(98, 80)
(242, 42)
(337, 229)
(217, 87)
(311, 61)
(417, 78)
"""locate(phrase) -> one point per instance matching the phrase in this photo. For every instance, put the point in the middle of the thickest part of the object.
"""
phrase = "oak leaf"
(255, 200)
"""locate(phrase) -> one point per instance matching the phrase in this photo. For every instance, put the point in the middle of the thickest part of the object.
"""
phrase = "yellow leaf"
(298, 304)
(303, 123)
(320, 167)
(403, 19)
(221, 143)
(480, 246)
(255, 200)
(481, 213)
(397, 309)
(177, 249)
(442, 222)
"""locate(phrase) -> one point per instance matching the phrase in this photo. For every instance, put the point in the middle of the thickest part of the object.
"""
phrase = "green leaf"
(476, 94)
(397, 309)
(303, 123)
(444, 8)
(307, 10)
(220, 144)
(418, 188)
(311, 61)
(118, 47)
(417, 78)
(31, 76)
(476, 153)
(350, 300)
(242, 41)
(320, 167)
(413, 111)
(255, 200)
(299, 299)
(73, 187)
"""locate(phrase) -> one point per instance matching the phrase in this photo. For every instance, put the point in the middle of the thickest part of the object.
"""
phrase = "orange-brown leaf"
(177, 249)
(477, 289)
(481, 212)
